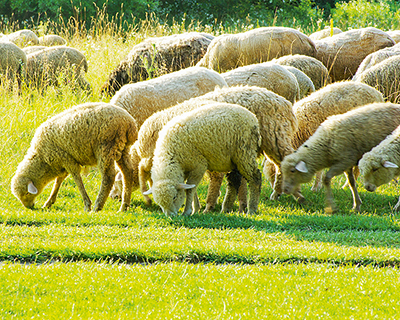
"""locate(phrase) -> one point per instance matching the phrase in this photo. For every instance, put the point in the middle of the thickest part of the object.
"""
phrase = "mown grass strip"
(87, 290)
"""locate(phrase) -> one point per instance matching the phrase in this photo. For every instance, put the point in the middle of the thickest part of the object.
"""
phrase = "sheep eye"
(374, 169)
(293, 170)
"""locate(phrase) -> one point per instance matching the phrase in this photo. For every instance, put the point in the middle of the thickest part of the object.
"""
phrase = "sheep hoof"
(123, 207)
(274, 196)
(330, 210)
(187, 212)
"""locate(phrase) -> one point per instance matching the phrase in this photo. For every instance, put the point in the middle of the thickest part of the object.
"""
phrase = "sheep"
(395, 34)
(86, 135)
(306, 86)
(230, 51)
(381, 165)
(52, 40)
(142, 99)
(276, 120)
(220, 137)
(157, 56)
(31, 49)
(343, 53)
(23, 38)
(384, 77)
(338, 144)
(376, 57)
(324, 33)
(12, 63)
(310, 112)
(266, 75)
(44, 66)
(311, 66)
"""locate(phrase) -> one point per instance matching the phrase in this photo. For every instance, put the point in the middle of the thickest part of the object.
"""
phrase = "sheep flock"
(179, 106)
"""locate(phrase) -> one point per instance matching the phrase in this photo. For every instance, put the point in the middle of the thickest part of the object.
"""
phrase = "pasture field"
(287, 261)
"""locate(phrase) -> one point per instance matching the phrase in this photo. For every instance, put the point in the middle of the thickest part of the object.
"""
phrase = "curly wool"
(376, 57)
(44, 66)
(343, 53)
(325, 33)
(230, 51)
(219, 137)
(311, 66)
(157, 56)
(265, 75)
(306, 86)
(86, 135)
(384, 77)
(22, 38)
(52, 40)
(143, 99)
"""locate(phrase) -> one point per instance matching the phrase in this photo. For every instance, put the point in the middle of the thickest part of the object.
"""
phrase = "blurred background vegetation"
(222, 15)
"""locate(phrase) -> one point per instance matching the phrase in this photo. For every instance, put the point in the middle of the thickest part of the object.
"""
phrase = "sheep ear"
(118, 177)
(388, 164)
(150, 191)
(31, 188)
(186, 186)
(302, 167)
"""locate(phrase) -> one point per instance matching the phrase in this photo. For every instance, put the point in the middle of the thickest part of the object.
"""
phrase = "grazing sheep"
(220, 137)
(312, 67)
(265, 75)
(143, 99)
(306, 86)
(32, 49)
(23, 38)
(376, 57)
(157, 56)
(385, 77)
(344, 52)
(325, 33)
(52, 40)
(12, 63)
(338, 144)
(310, 112)
(381, 165)
(230, 51)
(45, 66)
(277, 126)
(86, 135)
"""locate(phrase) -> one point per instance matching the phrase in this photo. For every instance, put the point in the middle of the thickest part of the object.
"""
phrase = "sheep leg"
(242, 195)
(194, 177)
(332, 172)
(213, 191)
(143, 177)
(128, 172)
(234, 179)
(56, 187)
(397, 206)
(317, 182)
(253, 177)
(107, 170)
(353, 187)
(356, 173)
(78, 181)
(277, 184)
(271, 174)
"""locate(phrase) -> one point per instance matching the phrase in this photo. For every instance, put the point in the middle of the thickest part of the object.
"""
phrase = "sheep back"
(23, 38)
(157, 56)
(306, 86)
(143, 99)
(52, 40)
(230, 51)
(376, 57)
(12, 62)
(325, 33)
(343, 53)
(265, 75)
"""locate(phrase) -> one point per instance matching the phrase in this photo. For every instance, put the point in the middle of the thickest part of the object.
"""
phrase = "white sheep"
(265, 75)
(31, 49)
(338, 144)
(52, 40)
(12, 63)
(22, 38)
(381, 165)
(144, 98)
(384, 76)
(311, 66)
(310, 112)
(157, 56)
(376, 57)
(395, 34)
(230, 51)
(343, 53)
(45, 66)
(86, 135)
(277, 126)
(306, 86)
(220, 137)
(324, 33)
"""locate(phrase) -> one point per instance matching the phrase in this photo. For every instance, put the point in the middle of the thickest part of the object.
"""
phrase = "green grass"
(287, 261)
